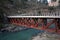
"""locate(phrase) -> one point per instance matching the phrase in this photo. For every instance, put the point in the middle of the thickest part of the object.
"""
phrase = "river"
(22, 35)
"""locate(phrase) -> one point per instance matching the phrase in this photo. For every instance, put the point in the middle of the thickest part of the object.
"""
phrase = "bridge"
(37, 23)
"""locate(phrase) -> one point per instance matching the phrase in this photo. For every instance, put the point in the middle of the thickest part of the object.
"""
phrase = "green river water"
(22, 35)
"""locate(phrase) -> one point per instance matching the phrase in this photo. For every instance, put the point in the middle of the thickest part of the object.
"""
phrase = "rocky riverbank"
(46, 36)
(12, 28)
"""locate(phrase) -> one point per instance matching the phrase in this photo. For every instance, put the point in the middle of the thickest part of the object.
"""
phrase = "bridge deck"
(33, 16)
